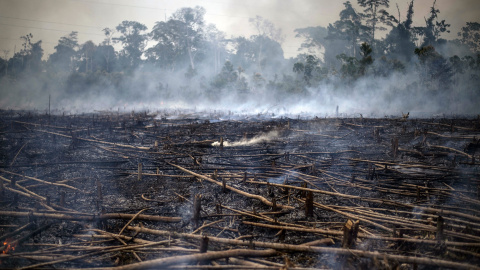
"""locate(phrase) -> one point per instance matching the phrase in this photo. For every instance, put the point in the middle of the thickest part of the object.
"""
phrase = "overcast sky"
(48, 20)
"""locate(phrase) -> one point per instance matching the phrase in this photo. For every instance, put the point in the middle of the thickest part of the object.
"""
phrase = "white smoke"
(265, 137)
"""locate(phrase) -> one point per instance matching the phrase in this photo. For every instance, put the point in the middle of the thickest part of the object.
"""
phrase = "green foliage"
(227, 77)
(376, 17)
(433, 28)
(31, 55)
(259, 51)
(63, 59)
(309, 70)
(436, 73)
(367, 60)
(266, 28)
(316, 41)
(470, 35)
(349, 28)
(400, 41)
(180, 40)
(314, 37)
(133, 39)
(258, 80)
(386, 67)
(353, 68)
(185, 45)
(350, 66)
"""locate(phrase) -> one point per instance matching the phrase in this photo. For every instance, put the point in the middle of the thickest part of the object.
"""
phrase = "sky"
(48, 20)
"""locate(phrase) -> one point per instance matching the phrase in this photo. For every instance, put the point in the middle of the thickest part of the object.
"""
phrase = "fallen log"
(258, 197)
(373, 200)
(96, 141)
(450, 149)
(193, 258)
(105, 250)
(327, 250)
(42, 181)
(24, 227)
(27, 193)
(90, 217)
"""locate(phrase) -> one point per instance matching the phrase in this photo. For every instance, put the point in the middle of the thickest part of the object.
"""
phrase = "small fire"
(8, 247)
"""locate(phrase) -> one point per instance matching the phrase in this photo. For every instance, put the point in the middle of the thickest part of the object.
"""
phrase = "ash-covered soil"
(123, 190)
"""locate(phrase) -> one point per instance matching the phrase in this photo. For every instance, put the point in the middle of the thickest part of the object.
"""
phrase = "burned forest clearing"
(191, 190)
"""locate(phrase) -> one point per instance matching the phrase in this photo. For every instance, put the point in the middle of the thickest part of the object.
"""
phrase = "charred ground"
(372, 193)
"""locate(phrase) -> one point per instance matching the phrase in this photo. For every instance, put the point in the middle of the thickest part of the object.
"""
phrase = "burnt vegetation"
(169, 189)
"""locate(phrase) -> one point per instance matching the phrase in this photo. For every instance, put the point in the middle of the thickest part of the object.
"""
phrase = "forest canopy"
(367, 61)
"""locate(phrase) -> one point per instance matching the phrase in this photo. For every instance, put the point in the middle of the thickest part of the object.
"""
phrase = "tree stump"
(350, 232)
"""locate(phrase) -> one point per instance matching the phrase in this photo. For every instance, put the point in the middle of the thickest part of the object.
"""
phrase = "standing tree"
(400, 41)
(217, 43)
(470, 35)
(308, 68)
(258, 50)
(192, 30)
(376, 16)
(108, 36)
(65, 53)
(315, 38)
(179, 39)
(267, 32)
(104, 54)
(367, 60)
(227, 77)
(436, 73)
(31, 54)
(134, 41)
(352, 68)
(349, 28)
(433, 29)
(4, 63)
(87, 52)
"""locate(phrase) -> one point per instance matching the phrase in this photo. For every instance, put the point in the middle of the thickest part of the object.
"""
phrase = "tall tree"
(217, 43)
(353, 68)
(133, 39)
(315, 38)
(470, 35)
(258, 50)
(349, 28)
(308, 68)
(4, 63)
(104, 58)
(400, 41)
(266, 28)
(193, 29)
(227, 77)
(108, 36)
(376, 16)
(63, 59)
(180, 38)
(433, 28)
(266, 31)
(435, 71)
(105, 53)
(87, 51)
(366, 60)
(31, 54)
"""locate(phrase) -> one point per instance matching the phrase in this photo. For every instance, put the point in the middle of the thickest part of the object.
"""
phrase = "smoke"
(157, 90)
(266, 86)
(265, 137)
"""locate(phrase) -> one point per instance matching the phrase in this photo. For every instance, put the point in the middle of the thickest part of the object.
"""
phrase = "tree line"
(367, 42)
